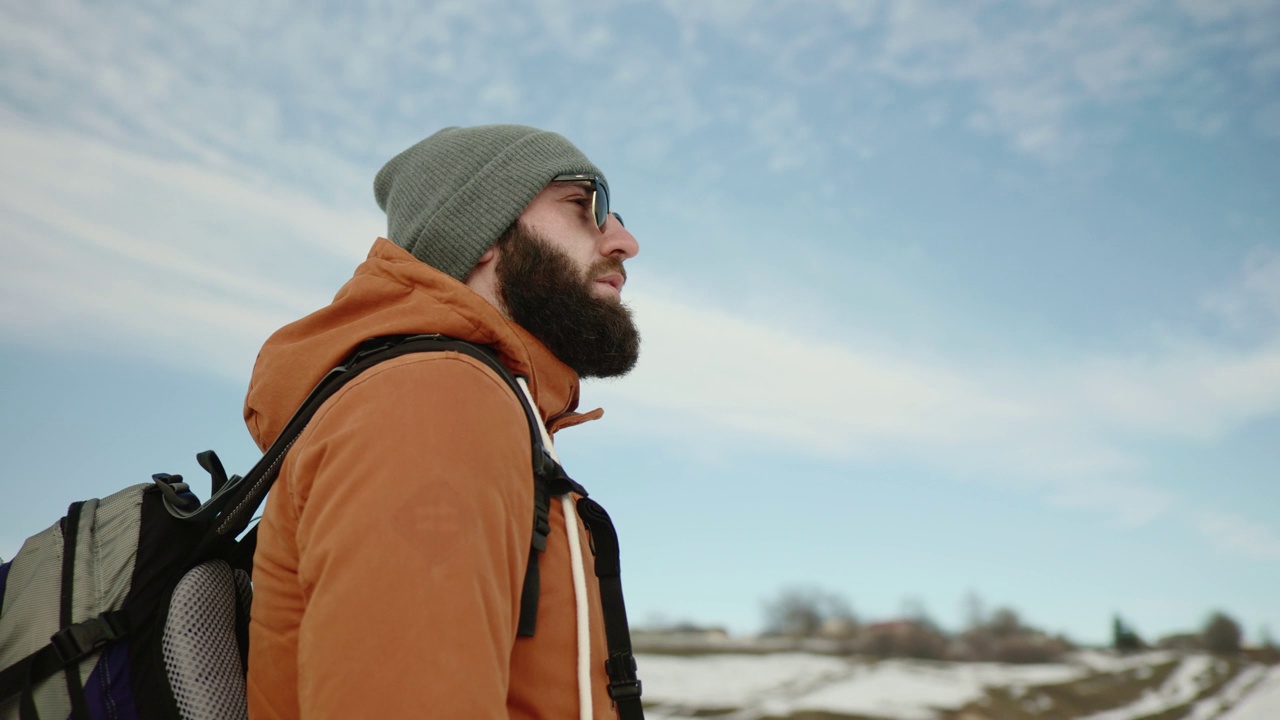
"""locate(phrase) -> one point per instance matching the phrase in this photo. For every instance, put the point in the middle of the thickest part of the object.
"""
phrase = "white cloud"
(194, 266)
(766, 381)
(1031, 72)
(279, 82)
(1240, 536)
(1267, 118)
(1030, 78)
(1190, 390)
(1129, 503)
(1206, 12)
(1075, 430)
(1252, 306)
(179, 263)
(57, 295)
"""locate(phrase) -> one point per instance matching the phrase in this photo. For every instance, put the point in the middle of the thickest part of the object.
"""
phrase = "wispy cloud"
(1240, 536)
(1032, 73)
(1192, 389)
(325, 94)
(140, 254)
(1252, 307)
(195, 266)
(1074, 430)
(1036, 70)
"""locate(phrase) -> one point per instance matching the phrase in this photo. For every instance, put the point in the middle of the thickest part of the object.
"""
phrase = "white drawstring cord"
(580, 601)
(579, 574)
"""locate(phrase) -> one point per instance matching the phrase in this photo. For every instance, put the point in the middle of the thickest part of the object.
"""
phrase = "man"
(393, 550)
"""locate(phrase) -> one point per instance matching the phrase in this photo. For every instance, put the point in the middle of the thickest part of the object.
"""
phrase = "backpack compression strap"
(75, 690)
(67, 647)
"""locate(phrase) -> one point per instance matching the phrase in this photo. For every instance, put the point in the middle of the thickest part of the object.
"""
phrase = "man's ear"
(483, 278)
(489, 256)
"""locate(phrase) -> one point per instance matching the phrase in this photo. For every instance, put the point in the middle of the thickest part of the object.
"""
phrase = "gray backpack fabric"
(69, 647)
(104, 560)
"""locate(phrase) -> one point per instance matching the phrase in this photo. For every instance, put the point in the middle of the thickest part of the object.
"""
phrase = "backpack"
(136, 605)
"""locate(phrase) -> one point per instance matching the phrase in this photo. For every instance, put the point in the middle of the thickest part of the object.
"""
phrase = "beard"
(549, 295)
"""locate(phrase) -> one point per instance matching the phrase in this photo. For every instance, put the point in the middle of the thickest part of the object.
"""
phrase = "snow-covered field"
(744, 686)
(1262, 703)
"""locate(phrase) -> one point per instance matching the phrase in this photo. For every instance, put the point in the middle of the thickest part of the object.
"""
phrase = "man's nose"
(618, 240)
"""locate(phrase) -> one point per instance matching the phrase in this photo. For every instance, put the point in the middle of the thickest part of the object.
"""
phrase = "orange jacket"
(392, 551)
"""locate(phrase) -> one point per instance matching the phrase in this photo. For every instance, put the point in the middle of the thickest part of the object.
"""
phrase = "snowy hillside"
(1091, 685)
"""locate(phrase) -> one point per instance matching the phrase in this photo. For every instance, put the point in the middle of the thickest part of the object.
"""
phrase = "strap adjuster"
(623, 683)
(76, 642)
(624, 690)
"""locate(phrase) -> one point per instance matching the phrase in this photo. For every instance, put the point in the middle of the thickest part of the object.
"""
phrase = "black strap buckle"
(77, 642)
(623, 683)
(627, 690)
(559, 482)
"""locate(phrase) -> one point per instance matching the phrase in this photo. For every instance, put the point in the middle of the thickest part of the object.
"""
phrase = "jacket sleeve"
(414, 501)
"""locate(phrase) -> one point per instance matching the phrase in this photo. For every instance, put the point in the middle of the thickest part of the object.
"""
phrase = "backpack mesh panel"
(244, 591)
(200, 650)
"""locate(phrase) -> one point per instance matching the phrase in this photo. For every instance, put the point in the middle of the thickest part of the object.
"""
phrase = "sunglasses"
(599, 197)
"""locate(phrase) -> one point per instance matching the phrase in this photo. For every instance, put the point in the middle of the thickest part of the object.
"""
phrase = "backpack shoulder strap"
(237, 499)
(624, 685)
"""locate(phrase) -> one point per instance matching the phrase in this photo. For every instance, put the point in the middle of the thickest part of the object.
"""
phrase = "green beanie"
(449, 197)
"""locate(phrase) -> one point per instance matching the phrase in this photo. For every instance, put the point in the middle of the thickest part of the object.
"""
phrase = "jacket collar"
(393, 293)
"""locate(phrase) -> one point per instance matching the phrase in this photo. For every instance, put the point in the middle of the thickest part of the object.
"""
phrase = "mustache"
(608, 265)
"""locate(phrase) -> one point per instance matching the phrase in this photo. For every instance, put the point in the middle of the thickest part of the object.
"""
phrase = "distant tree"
(1123, 638)
(903, 638)
(1221, 634)
(1033, 647)
(914, 635)
(975, 611)
(809, 612)
(913, 609)
(975, 641)
(922, 639)
(1267, 651)
(1005, 623)
(838, 622)
(1002, 636)
(1184, 641)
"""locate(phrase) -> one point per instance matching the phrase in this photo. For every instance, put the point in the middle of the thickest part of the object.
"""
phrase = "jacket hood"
(393, 293)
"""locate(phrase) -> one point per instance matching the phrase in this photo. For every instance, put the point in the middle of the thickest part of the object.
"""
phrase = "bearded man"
(390, 577)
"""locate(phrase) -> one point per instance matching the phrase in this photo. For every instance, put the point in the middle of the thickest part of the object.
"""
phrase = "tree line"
(1220, 634)
(995, 635)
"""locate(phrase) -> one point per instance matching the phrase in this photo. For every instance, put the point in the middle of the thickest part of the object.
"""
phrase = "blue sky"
(938, 298)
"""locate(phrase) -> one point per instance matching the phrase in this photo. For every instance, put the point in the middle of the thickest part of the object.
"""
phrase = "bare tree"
(975, 611)
(809, 612)
(1003, 636)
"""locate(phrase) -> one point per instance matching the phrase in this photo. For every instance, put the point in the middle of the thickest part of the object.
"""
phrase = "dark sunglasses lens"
(601, 203)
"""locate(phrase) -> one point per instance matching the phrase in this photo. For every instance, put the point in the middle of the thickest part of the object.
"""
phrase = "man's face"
(560, 277)
(561, 215)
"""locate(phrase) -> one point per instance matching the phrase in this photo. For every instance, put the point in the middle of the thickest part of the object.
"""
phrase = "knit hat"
(449, 197)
